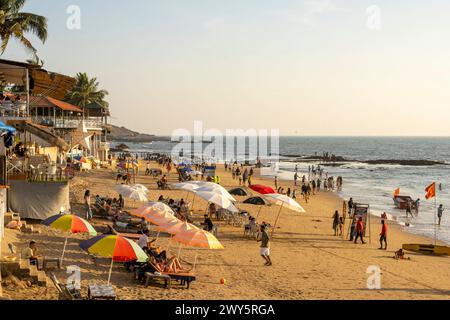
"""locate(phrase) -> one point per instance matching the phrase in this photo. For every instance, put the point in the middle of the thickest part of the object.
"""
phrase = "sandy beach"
(309, 261)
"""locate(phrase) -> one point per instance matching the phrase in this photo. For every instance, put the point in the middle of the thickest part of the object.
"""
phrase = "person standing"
(87, 205)
(440, 211)
(265, 245)
(359, 230)
(295, 178)
(383, 235)
(336, 222)
(276, 182)
(350, 207)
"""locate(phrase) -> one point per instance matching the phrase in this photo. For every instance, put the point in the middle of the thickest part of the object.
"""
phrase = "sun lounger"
(66, 292)
(184, 277)
(131, 236)
(158, 276)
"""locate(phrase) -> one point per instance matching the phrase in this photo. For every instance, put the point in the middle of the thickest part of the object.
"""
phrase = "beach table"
(101, 292)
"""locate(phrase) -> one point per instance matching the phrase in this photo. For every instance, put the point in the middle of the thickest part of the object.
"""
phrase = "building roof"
(41, 81)
(48, 102)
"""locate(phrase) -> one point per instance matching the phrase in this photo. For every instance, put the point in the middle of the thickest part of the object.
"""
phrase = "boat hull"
(427, 249)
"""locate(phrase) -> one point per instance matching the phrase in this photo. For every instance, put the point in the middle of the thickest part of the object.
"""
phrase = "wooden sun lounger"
(131, 236)
(155, 276)
(185, 278)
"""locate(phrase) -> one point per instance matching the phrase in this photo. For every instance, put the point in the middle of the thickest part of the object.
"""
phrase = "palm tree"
(16, 24)
(85, 93)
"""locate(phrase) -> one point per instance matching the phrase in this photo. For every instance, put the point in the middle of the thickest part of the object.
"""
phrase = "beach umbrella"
(218, 199)
(140, 187)
(237, 192)
(256, 201)
(199, 239)
(69, 223)
(284, 201)
(176, 227)
(262, 189)
(128, 191)
(216, 188)
(155, 212)
(186, 186)
(118, 248)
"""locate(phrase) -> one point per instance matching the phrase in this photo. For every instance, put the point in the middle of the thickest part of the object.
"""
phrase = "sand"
(309, 261)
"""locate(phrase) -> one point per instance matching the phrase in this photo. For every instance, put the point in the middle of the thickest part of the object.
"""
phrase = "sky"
(305, 67)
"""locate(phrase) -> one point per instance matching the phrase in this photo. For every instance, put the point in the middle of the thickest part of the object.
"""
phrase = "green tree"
(86, 93)
(17, 24)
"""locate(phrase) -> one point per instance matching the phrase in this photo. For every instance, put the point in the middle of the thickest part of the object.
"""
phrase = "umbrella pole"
(64, 251)
(193, 201)
(110, 270)
(179, 250)
(259, 211)
(276, 221)
(195, 262)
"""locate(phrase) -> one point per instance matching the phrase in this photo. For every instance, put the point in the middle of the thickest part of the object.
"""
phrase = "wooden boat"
(401, 202)
(428, 249)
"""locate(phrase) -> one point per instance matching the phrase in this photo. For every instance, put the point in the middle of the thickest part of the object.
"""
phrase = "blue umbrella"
(4, 127)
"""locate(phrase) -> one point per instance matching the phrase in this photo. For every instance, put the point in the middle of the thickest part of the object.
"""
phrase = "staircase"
(26, 270)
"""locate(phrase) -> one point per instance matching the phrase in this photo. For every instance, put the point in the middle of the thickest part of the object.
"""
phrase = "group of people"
(243, 175)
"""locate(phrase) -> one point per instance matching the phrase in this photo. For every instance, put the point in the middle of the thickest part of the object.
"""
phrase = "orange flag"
(396, 192)
(430, 191)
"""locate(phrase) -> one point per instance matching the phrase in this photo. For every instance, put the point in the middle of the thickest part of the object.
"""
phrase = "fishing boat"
(427, 249)
(401, 202)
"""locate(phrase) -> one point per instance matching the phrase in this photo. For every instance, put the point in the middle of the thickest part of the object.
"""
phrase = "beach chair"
(65, 292)
(184, 278)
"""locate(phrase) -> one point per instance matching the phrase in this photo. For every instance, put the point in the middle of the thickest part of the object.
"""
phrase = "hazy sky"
(307, 67)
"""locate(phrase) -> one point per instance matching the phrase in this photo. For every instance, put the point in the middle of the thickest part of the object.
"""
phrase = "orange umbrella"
(198, 238)
(156, 212)
(176, 227)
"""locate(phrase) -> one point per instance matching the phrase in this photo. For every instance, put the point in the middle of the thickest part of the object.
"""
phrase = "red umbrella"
(262, 189)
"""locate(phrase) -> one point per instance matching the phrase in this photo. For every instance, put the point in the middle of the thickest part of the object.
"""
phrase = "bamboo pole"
(64, 250)
(110, 270)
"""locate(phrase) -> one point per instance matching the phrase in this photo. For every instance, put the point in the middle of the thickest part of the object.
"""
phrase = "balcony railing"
(67, 123)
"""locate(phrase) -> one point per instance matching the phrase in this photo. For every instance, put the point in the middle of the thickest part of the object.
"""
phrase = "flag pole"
(435, 214)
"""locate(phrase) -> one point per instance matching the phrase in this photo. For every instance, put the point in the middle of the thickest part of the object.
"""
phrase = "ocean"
(372, 184)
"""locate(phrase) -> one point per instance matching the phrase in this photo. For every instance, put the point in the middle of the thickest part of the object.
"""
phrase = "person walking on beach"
(440, 210)
(383, 235)
(276, 182)
(295, 178)
(350, 207)
(408, 209)
(87, 205)
(265, 245)
(359, 230)
(336, 222)
(341, 226)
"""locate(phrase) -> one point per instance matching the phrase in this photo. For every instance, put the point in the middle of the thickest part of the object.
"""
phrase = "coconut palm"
(15, 24)
(86, 93)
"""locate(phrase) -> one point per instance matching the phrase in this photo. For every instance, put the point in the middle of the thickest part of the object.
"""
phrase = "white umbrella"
(217, 199)
(140, 187)
(283, 201)
(187, 186)
(213, 187)
(132, 193)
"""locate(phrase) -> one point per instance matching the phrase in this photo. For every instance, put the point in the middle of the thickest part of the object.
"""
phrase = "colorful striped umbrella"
(69, 223)
(156, 212)
(116, 247)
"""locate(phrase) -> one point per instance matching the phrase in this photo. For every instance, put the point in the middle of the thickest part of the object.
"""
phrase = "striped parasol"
(118, 248)
(69, 223)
